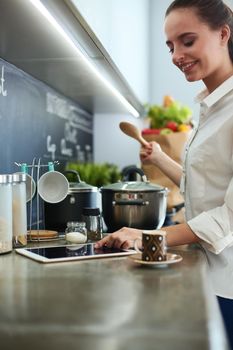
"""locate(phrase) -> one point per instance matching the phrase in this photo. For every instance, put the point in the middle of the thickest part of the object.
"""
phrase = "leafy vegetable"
(173, 111)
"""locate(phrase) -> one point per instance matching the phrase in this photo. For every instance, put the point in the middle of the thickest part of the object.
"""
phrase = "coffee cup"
(152, 245)
(53, 186)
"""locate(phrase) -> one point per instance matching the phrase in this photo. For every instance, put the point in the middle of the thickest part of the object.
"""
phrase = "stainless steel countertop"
(109, 304)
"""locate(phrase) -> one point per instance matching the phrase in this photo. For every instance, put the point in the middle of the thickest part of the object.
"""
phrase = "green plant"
(95, 174)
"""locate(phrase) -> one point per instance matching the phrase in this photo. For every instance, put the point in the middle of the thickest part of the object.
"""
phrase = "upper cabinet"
(123, 28)
(50, 40)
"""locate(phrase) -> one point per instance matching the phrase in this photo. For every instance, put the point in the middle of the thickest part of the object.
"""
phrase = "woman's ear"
(225, 34)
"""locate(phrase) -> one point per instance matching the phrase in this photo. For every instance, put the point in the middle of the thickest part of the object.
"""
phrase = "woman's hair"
(212, 12)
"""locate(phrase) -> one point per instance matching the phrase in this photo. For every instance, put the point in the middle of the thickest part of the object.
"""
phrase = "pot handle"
(74, 172)
(130, 170)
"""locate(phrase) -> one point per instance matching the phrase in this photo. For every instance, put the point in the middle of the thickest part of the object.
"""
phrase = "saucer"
(171, 259)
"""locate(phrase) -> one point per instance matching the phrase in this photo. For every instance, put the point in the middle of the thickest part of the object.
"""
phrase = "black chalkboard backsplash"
(37, 121)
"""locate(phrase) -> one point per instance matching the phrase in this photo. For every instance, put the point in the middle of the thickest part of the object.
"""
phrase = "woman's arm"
(124, 238)
(180, 234)
(153, 154)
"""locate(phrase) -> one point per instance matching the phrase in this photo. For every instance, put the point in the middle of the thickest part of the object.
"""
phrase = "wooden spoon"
(132, 131)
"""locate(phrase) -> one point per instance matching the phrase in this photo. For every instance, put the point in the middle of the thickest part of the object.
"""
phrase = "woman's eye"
(171, 50)
(189, 43)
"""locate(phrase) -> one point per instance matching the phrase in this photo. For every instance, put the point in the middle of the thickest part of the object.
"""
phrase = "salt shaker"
(5, 213)
(76, 232)
(19, 210)
(93, 220)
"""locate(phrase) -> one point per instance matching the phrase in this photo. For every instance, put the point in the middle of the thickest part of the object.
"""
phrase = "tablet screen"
(70, 252)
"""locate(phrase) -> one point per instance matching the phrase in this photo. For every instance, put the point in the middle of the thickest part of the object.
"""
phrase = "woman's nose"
(177, 57)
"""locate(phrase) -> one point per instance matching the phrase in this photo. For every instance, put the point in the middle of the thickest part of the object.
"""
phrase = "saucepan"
(80, 195)
(137, 204)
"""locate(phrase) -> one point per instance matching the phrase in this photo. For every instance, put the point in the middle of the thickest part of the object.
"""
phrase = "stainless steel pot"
(137, 204)
(80, 195)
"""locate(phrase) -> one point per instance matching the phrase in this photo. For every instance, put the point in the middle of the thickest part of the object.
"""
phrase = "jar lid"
(75, 223)
(91, 211)
(5, 178)
(19, 177)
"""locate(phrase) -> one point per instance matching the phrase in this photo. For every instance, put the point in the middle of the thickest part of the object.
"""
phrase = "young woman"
(200, 40)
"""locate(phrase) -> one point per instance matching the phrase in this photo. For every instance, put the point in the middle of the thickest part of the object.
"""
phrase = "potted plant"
(96, 174)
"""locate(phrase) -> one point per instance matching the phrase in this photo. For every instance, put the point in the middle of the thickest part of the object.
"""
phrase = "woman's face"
(197, 50)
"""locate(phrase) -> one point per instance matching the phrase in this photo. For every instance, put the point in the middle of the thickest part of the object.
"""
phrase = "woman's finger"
(102, 242)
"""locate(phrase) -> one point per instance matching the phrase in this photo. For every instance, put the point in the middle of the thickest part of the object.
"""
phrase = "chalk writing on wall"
(37, 121)
(74, 119)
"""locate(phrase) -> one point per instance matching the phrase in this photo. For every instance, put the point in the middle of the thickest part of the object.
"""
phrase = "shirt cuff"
(212, 234)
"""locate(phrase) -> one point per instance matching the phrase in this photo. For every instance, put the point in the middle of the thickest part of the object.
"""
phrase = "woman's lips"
(186, 67)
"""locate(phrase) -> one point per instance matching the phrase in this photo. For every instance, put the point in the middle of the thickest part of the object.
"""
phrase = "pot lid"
(82, 186)
(79, 186)
(133, 186)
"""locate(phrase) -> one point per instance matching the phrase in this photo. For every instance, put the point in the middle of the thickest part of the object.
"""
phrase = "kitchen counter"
(109, 304)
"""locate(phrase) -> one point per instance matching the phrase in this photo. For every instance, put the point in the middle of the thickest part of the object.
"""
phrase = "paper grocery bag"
(173, 145)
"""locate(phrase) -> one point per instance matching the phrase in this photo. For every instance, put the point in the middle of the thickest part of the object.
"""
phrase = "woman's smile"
(187, 66)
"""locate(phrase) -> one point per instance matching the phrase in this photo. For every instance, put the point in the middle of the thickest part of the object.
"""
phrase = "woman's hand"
(151, 153)
(122, 239)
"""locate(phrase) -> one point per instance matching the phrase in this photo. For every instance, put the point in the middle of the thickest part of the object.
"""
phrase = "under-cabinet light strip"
(43, 10)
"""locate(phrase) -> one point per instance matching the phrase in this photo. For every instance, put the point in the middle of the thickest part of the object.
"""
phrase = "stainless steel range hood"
(30, 42)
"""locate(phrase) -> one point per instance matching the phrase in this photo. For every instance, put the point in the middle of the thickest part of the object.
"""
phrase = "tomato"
(172, 125)
(151, 131)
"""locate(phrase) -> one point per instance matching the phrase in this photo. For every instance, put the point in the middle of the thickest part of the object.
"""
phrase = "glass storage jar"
(5, 213)
(19, 210)
(76, 232)
(94, 224)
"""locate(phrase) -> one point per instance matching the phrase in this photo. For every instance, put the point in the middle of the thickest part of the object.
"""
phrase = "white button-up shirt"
(207, 184)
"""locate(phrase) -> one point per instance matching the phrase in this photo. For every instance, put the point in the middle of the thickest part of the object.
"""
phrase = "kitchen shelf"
(31, 43)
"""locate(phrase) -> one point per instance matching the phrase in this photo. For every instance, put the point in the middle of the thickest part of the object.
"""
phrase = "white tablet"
(71, 252)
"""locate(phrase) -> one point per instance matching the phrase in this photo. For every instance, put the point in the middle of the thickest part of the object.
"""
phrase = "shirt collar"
(210, 99)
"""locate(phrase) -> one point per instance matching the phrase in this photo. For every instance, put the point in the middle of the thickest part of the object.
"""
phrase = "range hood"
(30, 42)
